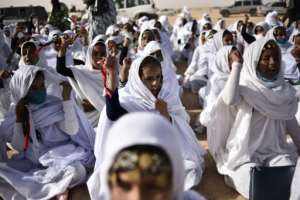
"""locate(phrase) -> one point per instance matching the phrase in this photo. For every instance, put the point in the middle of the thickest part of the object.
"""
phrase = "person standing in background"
(293, 11)
(59, 15)
(102, 14)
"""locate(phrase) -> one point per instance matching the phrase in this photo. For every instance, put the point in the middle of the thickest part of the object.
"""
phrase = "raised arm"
(61, 60)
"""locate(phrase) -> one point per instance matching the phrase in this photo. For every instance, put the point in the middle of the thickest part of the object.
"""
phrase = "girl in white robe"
(219, 40)
(137, 97)
(125, 133)
(86, 80)
(54, 142)
(250, 120)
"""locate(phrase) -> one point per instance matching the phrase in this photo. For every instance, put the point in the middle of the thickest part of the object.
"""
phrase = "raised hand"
(162, 107)
(236, 56)
(67, 89)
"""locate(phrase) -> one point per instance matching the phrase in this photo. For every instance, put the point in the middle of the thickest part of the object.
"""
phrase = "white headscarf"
(218, 25)
(135, 97)
(275, 101)
(217, 42)
(88, 83)
(266, 100)
(147, 132)
(167, 63)
(221, 72)
(165, 23)
(272, 19)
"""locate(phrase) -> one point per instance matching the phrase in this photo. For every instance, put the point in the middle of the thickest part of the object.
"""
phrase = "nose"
(272, 63)
(155, 83)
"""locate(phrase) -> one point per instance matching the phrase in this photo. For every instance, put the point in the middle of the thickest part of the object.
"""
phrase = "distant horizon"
(162, 4)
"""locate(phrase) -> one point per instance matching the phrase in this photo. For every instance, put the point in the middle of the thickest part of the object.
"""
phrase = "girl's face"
(234, 51)
(207, 27)
(152, 78)
(280, 35)
(269, 62)
(98, 56)
(113, 48)
(147, 37)
(259, 30)
(298, 24)
(228, 39)
(30, 55)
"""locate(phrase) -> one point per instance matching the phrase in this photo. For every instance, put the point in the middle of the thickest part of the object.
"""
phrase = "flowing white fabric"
(88, 83)
(167, 63)
(272, 19)
(220, 75)
(247, 135)
(253, 132)
(125, 133)
(165, 23)
(54, 160)
(136, 97)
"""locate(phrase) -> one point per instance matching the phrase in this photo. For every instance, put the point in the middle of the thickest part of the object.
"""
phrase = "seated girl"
(251, 117)
(147, 90)
(53, 138)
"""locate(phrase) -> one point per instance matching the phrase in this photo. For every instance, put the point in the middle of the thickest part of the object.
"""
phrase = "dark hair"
(149, 60)
(226, 32)
(279, 29)
(28, 44)
(164, 164)
(149, 31)
(158, 25)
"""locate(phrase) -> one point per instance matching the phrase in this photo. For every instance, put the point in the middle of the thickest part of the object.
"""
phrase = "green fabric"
(58, 18)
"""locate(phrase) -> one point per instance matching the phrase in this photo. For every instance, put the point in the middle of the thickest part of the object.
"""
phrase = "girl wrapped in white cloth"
(86, 80)
(53, 138)
(250, 118)
(146, 157)
(147, 90)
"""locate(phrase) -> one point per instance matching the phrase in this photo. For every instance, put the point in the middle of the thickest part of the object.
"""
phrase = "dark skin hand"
(124, 71)
(111, 73)
(87, 106)
(67, 89)
(162, 107)
(5, 74)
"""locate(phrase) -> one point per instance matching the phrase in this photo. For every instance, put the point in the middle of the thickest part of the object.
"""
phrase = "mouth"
(155, 92)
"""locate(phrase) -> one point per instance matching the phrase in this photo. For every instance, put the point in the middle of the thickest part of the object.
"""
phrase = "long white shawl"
(88, 83)
(274, 103)
(135, 97)
(50, 166)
